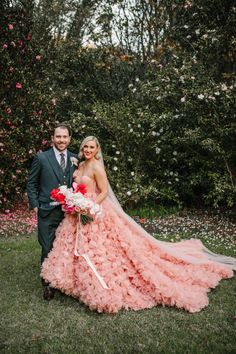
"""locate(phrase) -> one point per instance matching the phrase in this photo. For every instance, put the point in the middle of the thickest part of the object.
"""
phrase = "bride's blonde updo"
(89, 138)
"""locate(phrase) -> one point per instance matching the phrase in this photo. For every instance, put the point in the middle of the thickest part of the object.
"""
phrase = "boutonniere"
(74, 161)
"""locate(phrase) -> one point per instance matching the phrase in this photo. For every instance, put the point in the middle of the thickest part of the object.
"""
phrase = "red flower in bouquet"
(57, 196)
(79, 188)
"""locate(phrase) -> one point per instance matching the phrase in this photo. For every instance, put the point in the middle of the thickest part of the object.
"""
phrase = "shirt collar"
(57, 152)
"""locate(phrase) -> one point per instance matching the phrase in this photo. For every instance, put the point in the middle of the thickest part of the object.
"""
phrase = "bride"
(113, 263)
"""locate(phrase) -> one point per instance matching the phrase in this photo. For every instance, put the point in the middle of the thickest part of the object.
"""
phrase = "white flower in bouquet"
(73, 200)
(64, 189)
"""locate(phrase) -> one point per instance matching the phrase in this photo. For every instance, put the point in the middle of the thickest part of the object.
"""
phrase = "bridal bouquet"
(73, 200)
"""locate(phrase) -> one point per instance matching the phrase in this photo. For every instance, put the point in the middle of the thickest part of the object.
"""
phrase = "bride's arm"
(102, 183)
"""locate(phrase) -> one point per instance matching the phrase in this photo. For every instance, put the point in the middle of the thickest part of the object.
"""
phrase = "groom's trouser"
(48, 221)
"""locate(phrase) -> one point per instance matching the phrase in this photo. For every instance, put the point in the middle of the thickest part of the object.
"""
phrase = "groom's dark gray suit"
(45, 175)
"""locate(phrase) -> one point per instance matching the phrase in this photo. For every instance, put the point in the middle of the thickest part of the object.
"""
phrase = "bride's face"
(90, 149)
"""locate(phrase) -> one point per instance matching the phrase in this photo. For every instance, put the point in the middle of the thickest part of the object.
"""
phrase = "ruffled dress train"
(112, 264)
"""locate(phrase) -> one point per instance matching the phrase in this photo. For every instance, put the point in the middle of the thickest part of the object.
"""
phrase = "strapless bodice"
(89, 182)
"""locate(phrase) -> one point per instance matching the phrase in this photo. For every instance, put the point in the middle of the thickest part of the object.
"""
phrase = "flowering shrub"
(166, 123)
(170, 138)
(25, 107)
(197, 114)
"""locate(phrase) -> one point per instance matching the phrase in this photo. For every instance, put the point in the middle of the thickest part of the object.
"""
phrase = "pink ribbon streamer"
(79, 233)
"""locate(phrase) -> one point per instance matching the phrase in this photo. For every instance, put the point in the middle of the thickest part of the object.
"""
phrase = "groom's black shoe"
(48, 293)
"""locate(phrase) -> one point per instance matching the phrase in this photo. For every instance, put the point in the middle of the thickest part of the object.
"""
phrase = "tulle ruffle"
(139, 273)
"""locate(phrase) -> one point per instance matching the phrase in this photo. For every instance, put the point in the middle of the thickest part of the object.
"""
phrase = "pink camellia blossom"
(35, 113)
(11, 69)
(47, 123)
(20, 42)
(44, 142)
(9, 110)
(38, 57)
(40, 112)
(5, 46)
(28, 37)
(8, 122)
(18, 85)
(13, 44)
(10, 26)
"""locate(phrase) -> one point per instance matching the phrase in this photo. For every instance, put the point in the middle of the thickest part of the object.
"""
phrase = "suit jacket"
(45, 175)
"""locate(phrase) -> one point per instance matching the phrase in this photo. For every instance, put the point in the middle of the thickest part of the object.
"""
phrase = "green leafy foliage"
(158, 92)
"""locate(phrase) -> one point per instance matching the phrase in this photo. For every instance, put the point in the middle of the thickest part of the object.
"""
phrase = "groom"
(49, 170)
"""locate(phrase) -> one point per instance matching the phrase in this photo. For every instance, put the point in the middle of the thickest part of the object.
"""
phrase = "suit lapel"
(69, 168)
(55, 165)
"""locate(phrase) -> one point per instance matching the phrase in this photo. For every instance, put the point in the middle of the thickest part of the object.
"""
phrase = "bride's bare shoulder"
(99, 169)
(98, 166)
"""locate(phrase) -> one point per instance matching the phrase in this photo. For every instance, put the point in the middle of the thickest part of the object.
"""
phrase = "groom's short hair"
(62, 125)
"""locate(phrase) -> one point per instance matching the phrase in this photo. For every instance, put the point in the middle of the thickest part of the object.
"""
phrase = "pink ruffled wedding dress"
(112, 263)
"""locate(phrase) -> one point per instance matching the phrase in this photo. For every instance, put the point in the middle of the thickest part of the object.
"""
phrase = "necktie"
(63, 161)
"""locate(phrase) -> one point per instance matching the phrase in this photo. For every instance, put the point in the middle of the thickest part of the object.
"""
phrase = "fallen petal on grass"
(19, 221)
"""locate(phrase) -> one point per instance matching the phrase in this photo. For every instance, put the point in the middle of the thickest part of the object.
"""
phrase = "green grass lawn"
(29, 324)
